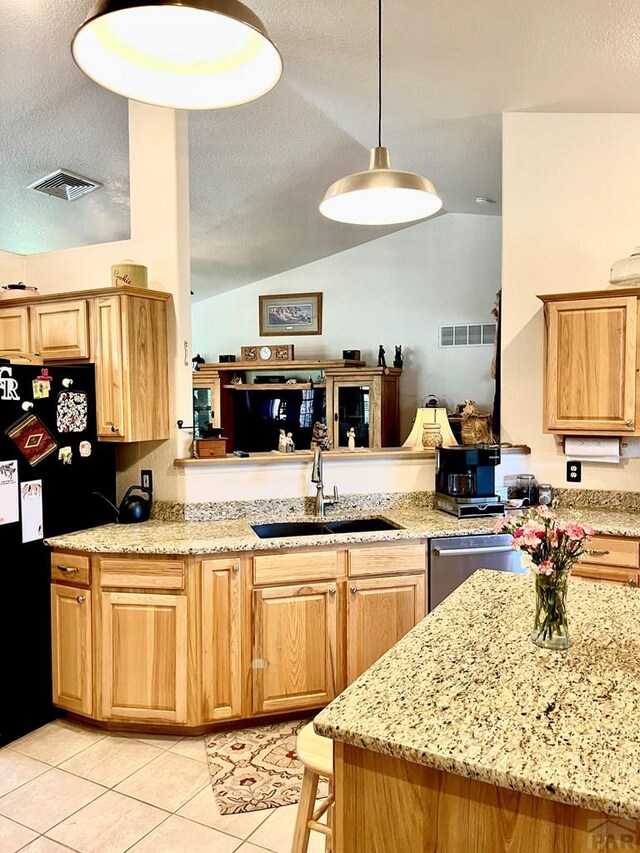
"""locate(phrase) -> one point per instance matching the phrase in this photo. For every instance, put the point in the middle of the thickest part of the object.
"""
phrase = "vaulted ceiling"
(259, 171)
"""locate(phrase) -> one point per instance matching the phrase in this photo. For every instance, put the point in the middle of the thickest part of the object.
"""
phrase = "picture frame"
(287, 314)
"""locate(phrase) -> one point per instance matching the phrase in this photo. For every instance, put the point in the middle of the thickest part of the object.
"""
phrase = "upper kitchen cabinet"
(123, 331)
(591, 363)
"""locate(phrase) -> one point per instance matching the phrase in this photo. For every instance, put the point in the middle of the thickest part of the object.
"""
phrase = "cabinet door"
(144, 656)
(72, 657)
(606, 574)
(591, 365)
(109, 372)
(14, 330)
(356, 404)
(61, 330)
(380, 611)
(221, 638)
(294, 656)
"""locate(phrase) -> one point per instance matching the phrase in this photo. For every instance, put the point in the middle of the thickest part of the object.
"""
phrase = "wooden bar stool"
(316, 753)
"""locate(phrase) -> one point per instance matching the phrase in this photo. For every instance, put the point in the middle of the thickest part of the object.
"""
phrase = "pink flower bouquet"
(549, 548)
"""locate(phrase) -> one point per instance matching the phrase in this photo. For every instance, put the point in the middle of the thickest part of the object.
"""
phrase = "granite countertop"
(210, 537)
(467, 692)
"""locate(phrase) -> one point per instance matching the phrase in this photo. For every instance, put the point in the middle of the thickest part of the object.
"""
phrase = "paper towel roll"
(592, 449)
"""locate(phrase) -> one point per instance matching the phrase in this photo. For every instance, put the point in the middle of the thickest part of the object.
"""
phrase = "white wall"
(571, 185)
(394, 290)
(12, 268)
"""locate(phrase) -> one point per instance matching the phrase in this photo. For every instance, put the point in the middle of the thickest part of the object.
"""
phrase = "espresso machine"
(466, 480)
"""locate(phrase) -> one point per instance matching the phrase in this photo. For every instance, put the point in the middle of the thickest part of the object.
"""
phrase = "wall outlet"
(574, 472)
(146, 479)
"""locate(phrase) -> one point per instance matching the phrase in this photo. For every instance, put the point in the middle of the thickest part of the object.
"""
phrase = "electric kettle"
(133, 509)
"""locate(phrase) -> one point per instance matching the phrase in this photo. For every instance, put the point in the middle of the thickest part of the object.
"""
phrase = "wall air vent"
(65, 185)
(470, 335)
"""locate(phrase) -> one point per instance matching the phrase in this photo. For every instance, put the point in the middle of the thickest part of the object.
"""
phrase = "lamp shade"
(430, 415)
(380, 195)
(185, 54)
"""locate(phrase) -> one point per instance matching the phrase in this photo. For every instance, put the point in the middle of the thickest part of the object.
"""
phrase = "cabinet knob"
(628, 423)
(332, 590)
(114, 428)
(236, 567)
(354, 589)
(80, 599)
(633, 582)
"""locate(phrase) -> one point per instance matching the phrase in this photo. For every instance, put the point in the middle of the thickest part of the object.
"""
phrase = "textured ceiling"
(259, 171)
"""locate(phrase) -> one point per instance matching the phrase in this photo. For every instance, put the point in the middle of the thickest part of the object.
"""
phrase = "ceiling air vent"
(64, 184)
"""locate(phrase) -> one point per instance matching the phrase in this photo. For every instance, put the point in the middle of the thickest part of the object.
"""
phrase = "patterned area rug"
(256, 768)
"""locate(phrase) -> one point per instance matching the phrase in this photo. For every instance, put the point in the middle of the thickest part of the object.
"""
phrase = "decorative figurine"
(351, 438)
(381, 358)
(398, 361)
(320, 436)
(476, 427)
(282, 442)
(196, 361)
(290, 446)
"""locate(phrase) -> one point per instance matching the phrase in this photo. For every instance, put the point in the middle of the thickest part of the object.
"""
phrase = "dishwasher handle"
(466, 552)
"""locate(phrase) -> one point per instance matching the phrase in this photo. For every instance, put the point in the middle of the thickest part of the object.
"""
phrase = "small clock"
(265, 353)
(275, 352)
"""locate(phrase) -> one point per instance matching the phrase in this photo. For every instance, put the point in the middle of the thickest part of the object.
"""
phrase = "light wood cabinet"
(131, 368)
(380, 611)
(612, 559)
(367, 399)
(123, 331)
(591, 363)
(222, 630)
(14, 330)
(144, 656)
(72, 658)
(294, 647)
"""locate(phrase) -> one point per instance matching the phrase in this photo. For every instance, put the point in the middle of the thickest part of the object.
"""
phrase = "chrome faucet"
(316, 477)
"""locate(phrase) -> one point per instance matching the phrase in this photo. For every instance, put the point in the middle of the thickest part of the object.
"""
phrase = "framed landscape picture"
(291, 314)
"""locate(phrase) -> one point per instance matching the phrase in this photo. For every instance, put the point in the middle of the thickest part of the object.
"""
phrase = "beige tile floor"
(69, 788)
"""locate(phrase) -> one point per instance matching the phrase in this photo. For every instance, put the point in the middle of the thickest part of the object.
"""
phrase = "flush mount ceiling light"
(185, 54)
(381, 195)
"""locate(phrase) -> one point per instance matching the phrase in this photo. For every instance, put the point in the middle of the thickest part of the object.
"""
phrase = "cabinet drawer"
(70, 568)
(620, 552)
(625, 577)
(141, 574)
(387, 559)
(294, 568)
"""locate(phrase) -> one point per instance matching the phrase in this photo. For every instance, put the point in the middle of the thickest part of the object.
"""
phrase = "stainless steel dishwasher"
(453, 559)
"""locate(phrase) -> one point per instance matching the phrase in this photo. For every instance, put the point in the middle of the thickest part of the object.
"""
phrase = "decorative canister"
(431, 436)
(128, 274)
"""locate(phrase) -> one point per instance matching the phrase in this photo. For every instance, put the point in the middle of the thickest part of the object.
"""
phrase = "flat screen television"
(260, 414)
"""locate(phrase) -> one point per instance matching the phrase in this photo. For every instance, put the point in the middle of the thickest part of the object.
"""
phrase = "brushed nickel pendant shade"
(184, 54)
(380, 195)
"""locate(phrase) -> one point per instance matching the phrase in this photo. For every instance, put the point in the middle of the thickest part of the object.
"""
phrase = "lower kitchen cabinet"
(144, 656)
(72, 654)
(380, 611)
(294, 662)
(611, 559)
(222, 625)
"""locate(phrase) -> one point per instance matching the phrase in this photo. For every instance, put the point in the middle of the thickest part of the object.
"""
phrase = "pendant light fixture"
(185, 54)
(380, 195)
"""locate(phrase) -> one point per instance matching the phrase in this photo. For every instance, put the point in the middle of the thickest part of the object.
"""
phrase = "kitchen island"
(466, 737)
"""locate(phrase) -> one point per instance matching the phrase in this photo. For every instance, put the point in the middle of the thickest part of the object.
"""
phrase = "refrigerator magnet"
(33, 439)
(65, 454)
(9, 492)
(8, 385)
(31, 504)
(72, 411)
(42, 385)
(85, 448)
(67, 383)
(27, 406)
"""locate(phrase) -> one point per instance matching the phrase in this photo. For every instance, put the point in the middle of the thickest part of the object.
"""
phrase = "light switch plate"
(146, 479)
(574, 471)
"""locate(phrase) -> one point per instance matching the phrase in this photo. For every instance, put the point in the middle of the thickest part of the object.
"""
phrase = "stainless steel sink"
(286, 529)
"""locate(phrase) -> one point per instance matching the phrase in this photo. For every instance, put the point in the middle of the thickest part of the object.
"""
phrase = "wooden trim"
(295, 364)
(86, 294)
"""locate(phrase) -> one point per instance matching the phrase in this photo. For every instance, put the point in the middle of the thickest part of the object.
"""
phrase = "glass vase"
(550, 630)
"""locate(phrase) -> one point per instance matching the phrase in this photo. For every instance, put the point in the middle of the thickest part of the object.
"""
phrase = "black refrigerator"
(50, 464)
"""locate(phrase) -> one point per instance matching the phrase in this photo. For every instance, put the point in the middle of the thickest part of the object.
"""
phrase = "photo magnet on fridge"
(33, 439)
(9, 501)
(72, 411)
(31, 500)
(42, 385)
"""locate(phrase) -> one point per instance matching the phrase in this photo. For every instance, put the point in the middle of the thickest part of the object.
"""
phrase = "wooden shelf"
(300, 364)
(274, 386)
